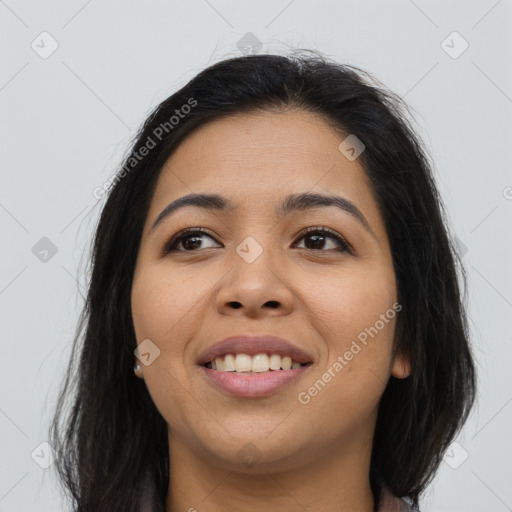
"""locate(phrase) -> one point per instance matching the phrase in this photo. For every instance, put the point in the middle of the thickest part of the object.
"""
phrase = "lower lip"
(252, 384)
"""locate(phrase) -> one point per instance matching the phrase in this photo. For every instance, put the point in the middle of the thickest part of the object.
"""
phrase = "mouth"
(252, 366)
(265, 352)
(251, 384)
(257, 364)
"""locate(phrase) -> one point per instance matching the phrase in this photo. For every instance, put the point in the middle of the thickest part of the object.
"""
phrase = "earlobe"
(401, 366)
(138, 370)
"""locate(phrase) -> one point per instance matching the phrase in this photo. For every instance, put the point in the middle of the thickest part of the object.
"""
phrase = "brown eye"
(318, 240)
(190, 240)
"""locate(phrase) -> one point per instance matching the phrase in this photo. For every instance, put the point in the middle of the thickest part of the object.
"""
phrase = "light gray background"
(66, 121)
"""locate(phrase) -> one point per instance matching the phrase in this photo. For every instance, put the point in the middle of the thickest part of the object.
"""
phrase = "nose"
(255, 289)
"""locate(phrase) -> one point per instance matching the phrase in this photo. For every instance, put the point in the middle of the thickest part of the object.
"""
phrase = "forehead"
(255, 159)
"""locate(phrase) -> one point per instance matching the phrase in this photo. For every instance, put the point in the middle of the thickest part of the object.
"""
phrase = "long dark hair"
(111, 443)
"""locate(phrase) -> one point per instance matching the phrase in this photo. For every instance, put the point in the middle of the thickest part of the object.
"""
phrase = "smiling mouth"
(259, 363)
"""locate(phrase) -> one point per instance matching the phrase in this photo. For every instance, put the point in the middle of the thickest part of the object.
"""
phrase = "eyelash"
(344, 246)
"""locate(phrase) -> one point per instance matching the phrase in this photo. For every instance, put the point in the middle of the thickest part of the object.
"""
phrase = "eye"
(190, 239)
(318, 237)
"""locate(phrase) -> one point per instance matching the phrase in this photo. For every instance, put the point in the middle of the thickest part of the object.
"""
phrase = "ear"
(138, 370)
(401, 366)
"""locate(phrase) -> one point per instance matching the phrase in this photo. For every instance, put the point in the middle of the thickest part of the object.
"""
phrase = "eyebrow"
(291, 203)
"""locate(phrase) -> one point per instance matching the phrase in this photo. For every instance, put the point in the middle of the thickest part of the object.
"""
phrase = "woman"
(274, 319)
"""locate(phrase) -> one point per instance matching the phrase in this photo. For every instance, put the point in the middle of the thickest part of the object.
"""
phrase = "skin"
(314, 456)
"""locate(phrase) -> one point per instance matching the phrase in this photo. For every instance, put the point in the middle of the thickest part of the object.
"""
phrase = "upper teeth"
(257, 363)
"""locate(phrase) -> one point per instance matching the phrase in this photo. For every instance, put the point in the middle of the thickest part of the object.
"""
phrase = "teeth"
(275, 362)
(229, 363)
(243, 363)
(260, 363)
(286, 362)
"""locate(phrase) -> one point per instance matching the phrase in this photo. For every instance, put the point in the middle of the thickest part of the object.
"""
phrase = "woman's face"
(256, 272)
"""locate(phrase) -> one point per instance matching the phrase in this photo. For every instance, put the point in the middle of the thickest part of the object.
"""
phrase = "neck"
(335, 481)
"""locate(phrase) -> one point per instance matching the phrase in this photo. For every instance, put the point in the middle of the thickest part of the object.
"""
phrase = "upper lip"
(252, 345)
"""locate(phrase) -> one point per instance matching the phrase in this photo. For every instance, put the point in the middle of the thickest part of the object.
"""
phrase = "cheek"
(163, 305)
(356, 317)
(165, 308)
(349, 304)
